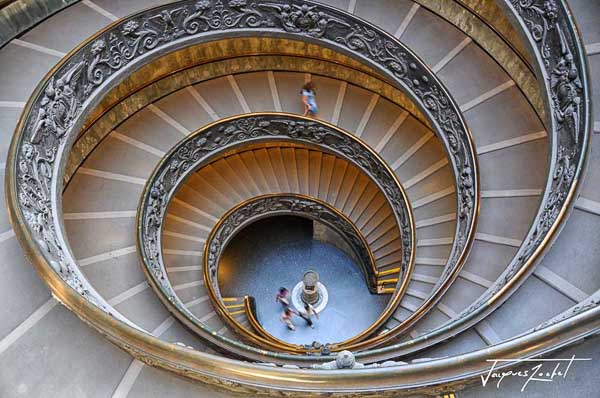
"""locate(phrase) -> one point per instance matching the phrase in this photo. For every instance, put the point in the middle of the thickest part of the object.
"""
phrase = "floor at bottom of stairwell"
(276, 252)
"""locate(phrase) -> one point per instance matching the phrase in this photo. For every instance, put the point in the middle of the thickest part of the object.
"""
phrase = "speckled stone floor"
(276, 252)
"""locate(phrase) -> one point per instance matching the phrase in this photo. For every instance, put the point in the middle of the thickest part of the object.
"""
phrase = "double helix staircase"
(48, 351)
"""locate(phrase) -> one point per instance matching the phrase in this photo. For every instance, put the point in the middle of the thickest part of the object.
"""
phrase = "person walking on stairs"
(308, 99)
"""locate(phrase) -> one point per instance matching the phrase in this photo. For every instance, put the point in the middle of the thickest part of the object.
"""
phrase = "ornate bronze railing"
(205, 145)
(336, 30)
(43, 136)
(550, 32)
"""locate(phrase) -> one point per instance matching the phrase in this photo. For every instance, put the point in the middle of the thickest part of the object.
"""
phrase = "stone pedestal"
(310, 292)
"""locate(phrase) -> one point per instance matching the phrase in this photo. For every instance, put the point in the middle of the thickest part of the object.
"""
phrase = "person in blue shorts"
(308, 99)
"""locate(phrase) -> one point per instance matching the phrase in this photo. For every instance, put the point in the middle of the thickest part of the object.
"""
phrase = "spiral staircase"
(453, 151)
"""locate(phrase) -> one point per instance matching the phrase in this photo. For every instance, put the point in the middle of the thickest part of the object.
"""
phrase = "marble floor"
(276, 252)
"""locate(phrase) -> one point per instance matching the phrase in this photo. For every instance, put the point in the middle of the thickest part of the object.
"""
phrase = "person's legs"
(290, 325)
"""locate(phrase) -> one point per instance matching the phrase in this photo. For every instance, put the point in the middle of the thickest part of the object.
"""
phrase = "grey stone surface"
(440, 207)
(8, 121)
(255, 87)
(183, 108)
(157, 383)
(590, 188)
(22, 68)
(433, 319)
(181, 261)
(177, 333)
(574, 256)
(532, 304)
(432, 184)
(462, 294)
(594, 65)
(144, 309)
(119, 157)
(116, 275)
(65, 30)
(470, 74)
(428, 270)
(194, 292)
(488, 260)
(177, 278)
(4, 220)
(62, 357)
(587, 14)
(355, 104)
(121, 8)
(435, 231)
(21, 290)
(146, 127)
(383, 117)
(406, 136)
(341, 4)
(441, 251)
(96, 236)
(431, 37)
(87, 193)
(387, 14)
(511, 168)
(429, 154)
(181, 244)
(507, 217)
(489, 122)
(464, 342)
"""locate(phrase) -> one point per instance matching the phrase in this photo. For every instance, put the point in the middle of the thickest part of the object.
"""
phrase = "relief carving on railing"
(58, 108)
(570, 114)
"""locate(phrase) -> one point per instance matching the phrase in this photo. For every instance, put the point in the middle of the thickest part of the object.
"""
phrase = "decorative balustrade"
(57, 110)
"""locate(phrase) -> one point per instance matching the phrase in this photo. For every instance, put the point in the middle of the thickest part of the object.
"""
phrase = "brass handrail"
(256, 325)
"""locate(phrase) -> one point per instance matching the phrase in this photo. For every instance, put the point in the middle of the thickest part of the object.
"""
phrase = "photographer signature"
(544, 370)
